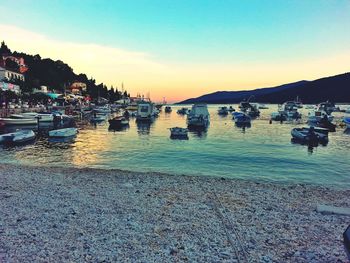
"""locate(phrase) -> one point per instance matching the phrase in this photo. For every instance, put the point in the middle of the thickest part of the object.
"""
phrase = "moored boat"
(223, 110)
(178, 133)
(18, 137)
(66, 132)
(167, 109)
(145, 111)
(43, 116)
(18, 120)
(182, 111)
(198, 116)
(310, 135)
(118, 121)
(241, 119)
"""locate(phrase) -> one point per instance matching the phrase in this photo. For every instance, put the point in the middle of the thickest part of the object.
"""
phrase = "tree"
(4, 50)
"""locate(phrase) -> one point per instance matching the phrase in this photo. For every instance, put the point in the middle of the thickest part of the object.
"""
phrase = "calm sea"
(262, 152)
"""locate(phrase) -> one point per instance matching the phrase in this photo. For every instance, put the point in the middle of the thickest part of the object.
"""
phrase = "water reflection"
(226, 149)
(144, 127)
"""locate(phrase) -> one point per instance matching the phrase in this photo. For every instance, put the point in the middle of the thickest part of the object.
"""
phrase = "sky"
(180, 49)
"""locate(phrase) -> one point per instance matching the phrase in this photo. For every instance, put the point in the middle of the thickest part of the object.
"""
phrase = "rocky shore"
(91, 215)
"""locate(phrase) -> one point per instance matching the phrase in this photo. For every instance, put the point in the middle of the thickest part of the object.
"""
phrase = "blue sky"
(194, 32)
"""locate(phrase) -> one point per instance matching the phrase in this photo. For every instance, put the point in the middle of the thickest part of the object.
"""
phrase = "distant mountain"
(335, 88)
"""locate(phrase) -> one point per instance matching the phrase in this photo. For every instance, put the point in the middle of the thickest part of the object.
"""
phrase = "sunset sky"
(185, 48)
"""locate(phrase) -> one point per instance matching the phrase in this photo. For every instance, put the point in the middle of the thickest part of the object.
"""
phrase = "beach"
(55, 214)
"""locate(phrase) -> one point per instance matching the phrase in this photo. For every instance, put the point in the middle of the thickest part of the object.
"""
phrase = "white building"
(6, 74)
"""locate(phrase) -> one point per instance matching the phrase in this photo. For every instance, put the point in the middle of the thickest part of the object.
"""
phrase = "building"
(8, 75)
(19, 61)
(9, 86)
(78, 87)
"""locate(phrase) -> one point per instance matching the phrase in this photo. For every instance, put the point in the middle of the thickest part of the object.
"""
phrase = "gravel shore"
(91, 215)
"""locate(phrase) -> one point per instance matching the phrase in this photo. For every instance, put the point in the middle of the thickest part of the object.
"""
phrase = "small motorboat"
(231, 109)
(18, 137)
(167, 109)
(310, 135)
(241, 119)
(182, 111)
(262, 107)
(178, 133)
(198, 117)
(118, 121)
(346, 120)
(317, 115)
(43, 116)
(18, 120)
(325, 123)
(223, 111)
(66, 132)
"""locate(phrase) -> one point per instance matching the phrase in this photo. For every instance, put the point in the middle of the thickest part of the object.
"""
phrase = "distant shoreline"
(72, 214)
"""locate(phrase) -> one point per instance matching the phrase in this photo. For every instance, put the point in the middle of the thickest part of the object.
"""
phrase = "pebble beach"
(92, 215)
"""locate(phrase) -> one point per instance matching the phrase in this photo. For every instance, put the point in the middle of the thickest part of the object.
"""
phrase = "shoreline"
(92, 214)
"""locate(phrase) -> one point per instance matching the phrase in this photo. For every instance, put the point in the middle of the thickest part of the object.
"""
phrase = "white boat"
(18, 137)
(66, 132)
(223, 110)
(43, 117)
(198, 116)
(18, 120)
(177, 132)
(317, 115)
(145, 111)
(104, 110)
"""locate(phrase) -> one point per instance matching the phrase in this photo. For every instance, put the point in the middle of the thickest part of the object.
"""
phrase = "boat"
(346, 120)
(18, 120)
(250, 109)
(182, 111)
(347, 110)
(66, 132)
(286, 111)
(167, 109)
(262, 106)
(43, 116)
(310, 135)
(178, 133)
(199, 116)
(241, 119)
(18, 137)
(316, 116)
(103, 109)
(118, 121)
(231, 109)
(145, 111)
(327, 106)
(310, 107)
(223, 110)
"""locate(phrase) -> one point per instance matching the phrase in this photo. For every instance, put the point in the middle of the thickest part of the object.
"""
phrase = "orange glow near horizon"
(141, 73)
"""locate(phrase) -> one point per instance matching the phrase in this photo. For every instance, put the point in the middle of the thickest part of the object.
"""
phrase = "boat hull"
(67, 132)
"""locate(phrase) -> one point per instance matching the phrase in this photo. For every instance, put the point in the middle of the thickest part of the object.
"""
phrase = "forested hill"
(334, 88)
